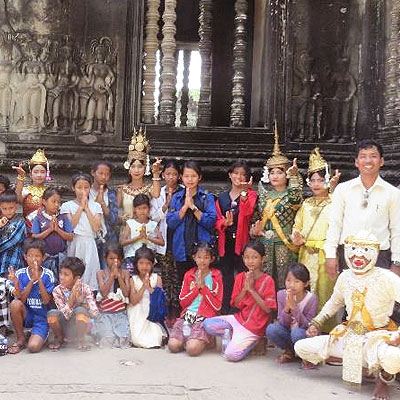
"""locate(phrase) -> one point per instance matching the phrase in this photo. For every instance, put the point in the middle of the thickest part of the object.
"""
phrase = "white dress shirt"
(354, 208)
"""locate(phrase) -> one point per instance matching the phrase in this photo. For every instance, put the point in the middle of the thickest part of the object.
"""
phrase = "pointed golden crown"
(139, 147)
(278, 160)
(38, 158)
(316, 162)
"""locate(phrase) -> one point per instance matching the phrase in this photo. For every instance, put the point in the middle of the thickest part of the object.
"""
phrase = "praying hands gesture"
(168, 199)
(249, 282)
(35, 276)
(100, 195)
(200, 280)
(290, 301)
(76, 293)
(11, 275)
(84, 203)
(146, 283)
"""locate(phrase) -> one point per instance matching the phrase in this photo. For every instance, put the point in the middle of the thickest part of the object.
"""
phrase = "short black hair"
(255, 245)
(367, 144)
(321, 173)
(241, 164)
(81, 175)
(143, 252)
(31, 243)
(116, 248)
(75, 265)
(9, 196)
(141, 199)
(97, 164)
(50, 191)
(172, 164)
(5, 181)
(299, 271)
(192, 165)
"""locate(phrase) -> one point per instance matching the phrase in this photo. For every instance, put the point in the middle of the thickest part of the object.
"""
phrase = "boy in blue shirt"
(32, 287)
(12, 233)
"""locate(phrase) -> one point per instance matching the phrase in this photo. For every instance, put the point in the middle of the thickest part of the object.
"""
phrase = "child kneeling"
(254, 295)
(75, 305)
(296, 308)
(200, 297)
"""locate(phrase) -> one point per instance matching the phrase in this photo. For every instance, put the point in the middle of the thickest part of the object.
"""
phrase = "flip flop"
(286, 358)
(16, 348)
(84, 347)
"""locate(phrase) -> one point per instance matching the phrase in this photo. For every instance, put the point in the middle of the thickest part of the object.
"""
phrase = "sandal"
(16, 348)
(286, 357)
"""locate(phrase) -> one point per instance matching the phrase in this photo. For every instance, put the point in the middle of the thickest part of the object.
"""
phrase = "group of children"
(88, 265)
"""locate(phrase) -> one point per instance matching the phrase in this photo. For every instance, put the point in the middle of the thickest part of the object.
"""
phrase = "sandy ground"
(158, 375)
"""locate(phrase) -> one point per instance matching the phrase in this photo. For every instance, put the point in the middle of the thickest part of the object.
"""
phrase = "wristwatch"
(396, 263)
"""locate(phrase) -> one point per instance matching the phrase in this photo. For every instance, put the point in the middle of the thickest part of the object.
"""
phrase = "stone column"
(168, 75)
(392, 68)
(149, 73)
(205, 49)
(185, 87)
(239, 64)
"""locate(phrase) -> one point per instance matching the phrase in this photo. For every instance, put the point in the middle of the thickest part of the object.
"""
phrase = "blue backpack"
(158, 306)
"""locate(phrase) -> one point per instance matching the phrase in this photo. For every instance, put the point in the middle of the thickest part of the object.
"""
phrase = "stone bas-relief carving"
(307, 102)
(324, 105)
(96, 96)
(49, 84)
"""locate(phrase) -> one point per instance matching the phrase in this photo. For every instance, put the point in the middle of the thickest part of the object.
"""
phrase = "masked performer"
(369, 338)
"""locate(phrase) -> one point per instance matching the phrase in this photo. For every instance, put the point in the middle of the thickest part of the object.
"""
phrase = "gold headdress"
(317, 163)
(278, 160)
(139, 147)
(39, 158)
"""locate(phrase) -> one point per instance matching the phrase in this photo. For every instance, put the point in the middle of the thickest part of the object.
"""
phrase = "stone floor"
(157, 375)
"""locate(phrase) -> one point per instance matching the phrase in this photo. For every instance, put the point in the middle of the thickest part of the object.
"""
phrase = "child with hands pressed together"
(200, 298)
(114, 288)
(140, 229)
(254, 295)
(296, 308)
(54, 228)
(144, 333)
(85, 215)
(75, 306)
(191, 217)
(32, 287)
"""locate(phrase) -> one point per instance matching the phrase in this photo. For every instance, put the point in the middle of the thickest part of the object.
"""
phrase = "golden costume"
(32, 195)
(312, 223)
(277, 211)
(137, 150)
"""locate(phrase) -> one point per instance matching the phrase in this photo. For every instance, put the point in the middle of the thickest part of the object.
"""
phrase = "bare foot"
(307, 365)
(381, 391)
(286, 357)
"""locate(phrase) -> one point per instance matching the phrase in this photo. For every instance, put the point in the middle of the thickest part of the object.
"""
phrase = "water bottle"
(186, 330)
(3, 345)
(226, 338)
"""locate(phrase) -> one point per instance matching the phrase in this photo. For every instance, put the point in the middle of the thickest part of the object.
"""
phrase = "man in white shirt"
(365, 203)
